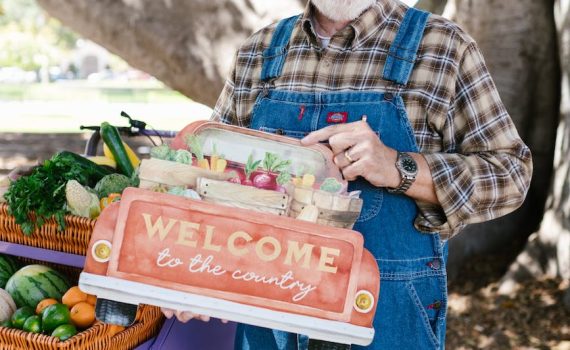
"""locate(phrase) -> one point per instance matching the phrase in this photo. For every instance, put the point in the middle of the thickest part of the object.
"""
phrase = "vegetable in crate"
(7, 306)
(55, 316)
(217, 162)
(162, 152)
(80, 201)
(331, 185)
(183, 156)
(33, 283)
(250, 167)
(8, 267)
(43, 191)
(196, 148)
(33, 324)
(20, 316)
(114, 183)
(135, 161)
(64, 332)
(272, 165)
(112, 139)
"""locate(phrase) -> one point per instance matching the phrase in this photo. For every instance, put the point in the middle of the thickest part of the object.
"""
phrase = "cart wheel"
(315, 344)
(114, 312)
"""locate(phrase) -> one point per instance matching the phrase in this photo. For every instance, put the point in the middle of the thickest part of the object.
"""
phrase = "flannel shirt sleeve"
(484, 170)
(225, 109)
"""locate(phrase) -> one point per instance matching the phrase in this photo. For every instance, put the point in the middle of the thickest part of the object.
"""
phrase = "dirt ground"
(534, 318)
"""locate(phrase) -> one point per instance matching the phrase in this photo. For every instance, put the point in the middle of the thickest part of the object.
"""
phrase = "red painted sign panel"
(186, 244)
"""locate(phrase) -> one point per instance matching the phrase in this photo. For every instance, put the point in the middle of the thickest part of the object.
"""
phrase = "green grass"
(56, 108)
(150, 92)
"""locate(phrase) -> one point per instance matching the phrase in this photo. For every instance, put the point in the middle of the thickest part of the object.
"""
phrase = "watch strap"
(406, 181)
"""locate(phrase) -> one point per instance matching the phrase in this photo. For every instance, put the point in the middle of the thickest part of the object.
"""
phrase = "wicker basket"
(100, 336)
(74, 239)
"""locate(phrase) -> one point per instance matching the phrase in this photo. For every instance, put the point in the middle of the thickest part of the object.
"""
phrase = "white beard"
(342, 10)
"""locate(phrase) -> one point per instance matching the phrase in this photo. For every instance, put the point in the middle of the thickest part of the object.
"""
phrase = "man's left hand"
(358, 151)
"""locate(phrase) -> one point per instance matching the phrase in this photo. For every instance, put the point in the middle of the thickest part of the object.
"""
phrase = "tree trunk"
(433, 6)
(518, 39)
(547, 253)
(188, 45)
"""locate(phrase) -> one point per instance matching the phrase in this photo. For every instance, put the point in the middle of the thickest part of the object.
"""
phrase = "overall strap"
(402, 54)
(274, 56)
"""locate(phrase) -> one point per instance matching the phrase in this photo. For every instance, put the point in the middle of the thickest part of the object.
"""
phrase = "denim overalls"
(413, 288)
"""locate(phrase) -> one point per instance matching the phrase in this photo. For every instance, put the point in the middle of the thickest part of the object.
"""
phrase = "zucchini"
(112, 139)
(93, 170)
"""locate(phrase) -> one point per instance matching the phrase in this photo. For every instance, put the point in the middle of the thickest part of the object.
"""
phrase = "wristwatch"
(408, 169)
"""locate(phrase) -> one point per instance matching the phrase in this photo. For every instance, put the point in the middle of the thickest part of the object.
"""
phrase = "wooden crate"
(245, 197)
(334, 210)
(154, 172)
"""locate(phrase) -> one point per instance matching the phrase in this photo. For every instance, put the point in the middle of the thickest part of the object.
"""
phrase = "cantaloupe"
(7, 306)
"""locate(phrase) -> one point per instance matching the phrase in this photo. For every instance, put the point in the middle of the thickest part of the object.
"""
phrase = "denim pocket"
(399, 322)
(372, 198)
(291, 133)
(430, 299)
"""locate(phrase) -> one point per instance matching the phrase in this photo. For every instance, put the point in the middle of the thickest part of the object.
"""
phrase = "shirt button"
(388, 96)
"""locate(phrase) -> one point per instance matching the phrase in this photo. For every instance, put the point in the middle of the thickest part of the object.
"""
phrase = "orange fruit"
(43, 304)
(91, 299)
(73, 296)
(114, 329)
(82, 314)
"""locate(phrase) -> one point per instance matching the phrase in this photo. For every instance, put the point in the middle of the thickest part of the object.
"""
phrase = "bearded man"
(407, 105)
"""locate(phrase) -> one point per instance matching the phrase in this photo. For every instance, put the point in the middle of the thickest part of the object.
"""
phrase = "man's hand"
(359, 152)
(185, 316)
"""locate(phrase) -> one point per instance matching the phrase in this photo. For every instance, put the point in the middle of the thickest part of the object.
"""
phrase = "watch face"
(409, 165)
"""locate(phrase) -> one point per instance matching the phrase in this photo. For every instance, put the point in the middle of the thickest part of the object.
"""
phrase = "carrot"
(308, 180)
(203, 163)
(221, 165)
(214, 161)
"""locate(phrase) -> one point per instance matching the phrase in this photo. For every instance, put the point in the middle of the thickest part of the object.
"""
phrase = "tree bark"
(547, 253)
(188, 45)
(518, 40)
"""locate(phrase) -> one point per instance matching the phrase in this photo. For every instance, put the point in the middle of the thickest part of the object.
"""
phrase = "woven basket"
(100, 336)
(74, 239)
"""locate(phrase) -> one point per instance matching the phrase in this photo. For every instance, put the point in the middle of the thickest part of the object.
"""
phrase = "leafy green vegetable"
(272, 163)
(43, 192)
(113, 183)
(195, 147)
(331, 185)
(250, 166)
(160, 152)
(283, 178)
(183, 156)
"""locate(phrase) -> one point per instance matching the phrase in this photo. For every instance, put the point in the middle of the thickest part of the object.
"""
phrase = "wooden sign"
(263, 269)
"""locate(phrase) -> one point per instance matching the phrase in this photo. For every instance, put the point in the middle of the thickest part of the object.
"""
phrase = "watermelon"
(34, 283)
(8, 267)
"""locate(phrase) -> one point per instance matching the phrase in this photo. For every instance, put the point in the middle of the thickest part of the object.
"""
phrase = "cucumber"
(112, 139)
(94, 171)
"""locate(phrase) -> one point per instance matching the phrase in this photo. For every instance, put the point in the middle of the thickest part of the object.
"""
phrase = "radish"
(264, 181)
(235, 180)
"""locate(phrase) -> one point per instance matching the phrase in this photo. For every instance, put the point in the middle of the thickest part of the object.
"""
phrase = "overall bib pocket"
(278, 131)
(371, 196)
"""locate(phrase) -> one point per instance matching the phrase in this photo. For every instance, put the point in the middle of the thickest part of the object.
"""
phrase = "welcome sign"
(174, 252)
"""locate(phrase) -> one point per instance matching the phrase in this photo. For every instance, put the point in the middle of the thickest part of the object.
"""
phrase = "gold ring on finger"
(348, 157)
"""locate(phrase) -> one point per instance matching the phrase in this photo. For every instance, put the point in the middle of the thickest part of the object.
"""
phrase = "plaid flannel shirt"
(481, 168)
